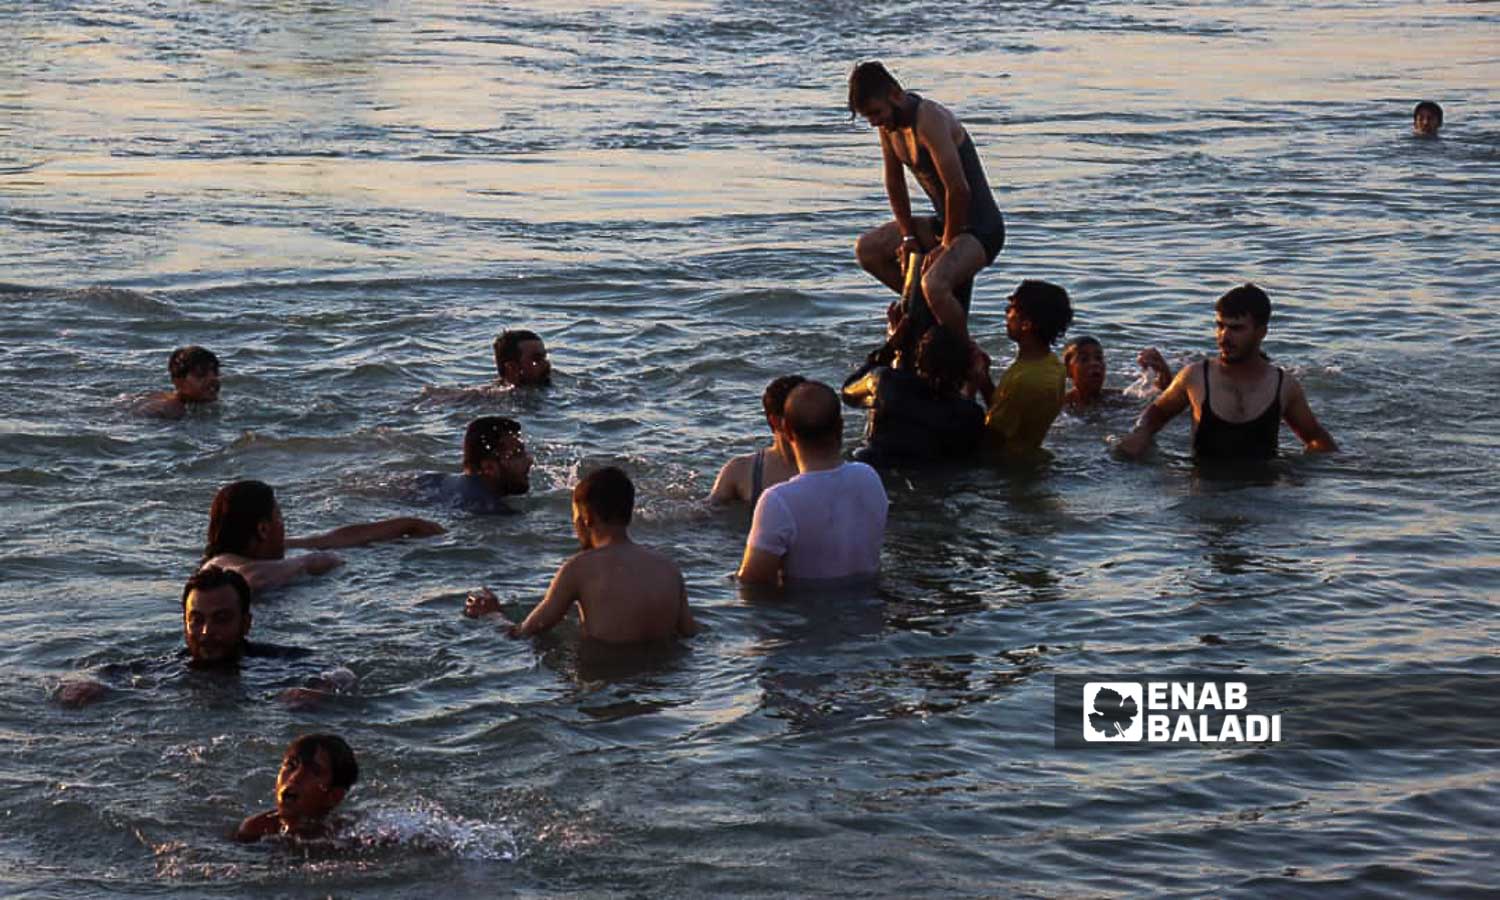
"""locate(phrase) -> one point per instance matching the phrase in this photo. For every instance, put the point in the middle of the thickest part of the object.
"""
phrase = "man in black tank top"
(1239, 399)
(968, 230)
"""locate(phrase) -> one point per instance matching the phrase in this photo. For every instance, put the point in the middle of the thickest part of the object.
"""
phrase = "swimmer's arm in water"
(267, 574)
(759, 567)
(895, 190)
(1299, 417)
(561, 595)
(1162, 410)
(258, 826)
(369, 533)
(686, 627)
(727, 485)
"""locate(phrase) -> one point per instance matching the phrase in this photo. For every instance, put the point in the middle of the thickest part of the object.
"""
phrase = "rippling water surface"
(346, 201)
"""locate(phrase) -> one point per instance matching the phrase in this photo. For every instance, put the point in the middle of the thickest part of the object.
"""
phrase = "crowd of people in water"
(819, 516)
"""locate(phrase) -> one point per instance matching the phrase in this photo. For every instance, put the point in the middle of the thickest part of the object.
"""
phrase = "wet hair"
(773, 401)
(1078, 343)
(1429, 106)
(508, 346)
(942, 359)
(343, 768)
(236, 511)
(868, 81)
(813, 415)
(191, 359)
(485, 436)
(1046, 306)
(211, 578)
(1246, 300)
(608, 494)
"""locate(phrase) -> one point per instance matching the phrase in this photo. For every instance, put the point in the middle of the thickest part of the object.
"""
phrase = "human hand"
(893, 317)
(320, 562)
(481, 603)
(1134, 444)
(1151, 358)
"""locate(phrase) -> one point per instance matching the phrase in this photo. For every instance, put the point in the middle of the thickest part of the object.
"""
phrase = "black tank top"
(984, 215)
(1255, 439)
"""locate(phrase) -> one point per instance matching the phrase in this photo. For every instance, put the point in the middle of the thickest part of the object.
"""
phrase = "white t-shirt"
(823, 524)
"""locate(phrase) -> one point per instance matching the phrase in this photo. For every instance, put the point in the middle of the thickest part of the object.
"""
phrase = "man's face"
(1425, 123)
(509, 470)
(530, 365)
(882, 112)
(1086, 368)
(304, 789)
(1238, 337)
(1015, 322)
(198, 386)
(213, 625)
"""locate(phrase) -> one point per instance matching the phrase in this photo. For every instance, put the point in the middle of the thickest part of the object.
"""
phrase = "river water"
(346, 201)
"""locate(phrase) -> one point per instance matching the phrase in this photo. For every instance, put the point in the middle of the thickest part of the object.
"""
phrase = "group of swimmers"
(819, 516)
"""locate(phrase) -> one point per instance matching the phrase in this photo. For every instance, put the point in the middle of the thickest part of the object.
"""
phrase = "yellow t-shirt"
(1027, 399)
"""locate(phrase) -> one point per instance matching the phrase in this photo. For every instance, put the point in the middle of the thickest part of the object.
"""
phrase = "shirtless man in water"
(625, 593)
(195, 379)
(967, 232)
(316, 772)
(1239, 399)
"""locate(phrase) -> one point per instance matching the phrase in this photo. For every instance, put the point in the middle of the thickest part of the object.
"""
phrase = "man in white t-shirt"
(827, 522)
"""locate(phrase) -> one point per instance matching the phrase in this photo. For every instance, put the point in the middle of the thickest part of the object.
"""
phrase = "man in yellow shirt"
(1030, 393)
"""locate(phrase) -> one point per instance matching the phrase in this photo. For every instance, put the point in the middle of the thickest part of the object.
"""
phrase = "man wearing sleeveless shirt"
(967, 232)
(1239, 399)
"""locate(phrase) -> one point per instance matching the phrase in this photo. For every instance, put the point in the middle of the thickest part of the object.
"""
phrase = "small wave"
(427, 826)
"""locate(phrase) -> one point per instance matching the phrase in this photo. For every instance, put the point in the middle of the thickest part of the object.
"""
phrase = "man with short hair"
(1239, 400)
(521, 358)
(216, 620)
(1022, 407)
(826, 524)
(968, 230)
(745, 477)
(1426, 119)
(195, 379)
(1083, 358)
(247, 534)
(625, 593)
(496, 465)
(316, 773)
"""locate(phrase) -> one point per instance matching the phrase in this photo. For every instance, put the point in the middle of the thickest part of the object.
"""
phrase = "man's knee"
(866, 249)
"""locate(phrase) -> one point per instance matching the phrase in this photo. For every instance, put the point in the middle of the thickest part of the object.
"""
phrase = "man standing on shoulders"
(829, 521)
(521, 358)
(967, 232)
(1239, 399)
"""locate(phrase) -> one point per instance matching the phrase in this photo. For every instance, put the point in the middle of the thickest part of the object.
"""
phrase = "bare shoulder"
(257, 827)
(161, 406)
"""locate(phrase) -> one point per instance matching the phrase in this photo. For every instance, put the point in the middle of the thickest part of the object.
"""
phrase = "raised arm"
(561, 595)
(1162, 410)
(368, 533)
(1299, 417)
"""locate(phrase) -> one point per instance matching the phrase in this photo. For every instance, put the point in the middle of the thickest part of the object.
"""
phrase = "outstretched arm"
(1299, 416)
(368, 533)
(1162, 410)
(561, 596)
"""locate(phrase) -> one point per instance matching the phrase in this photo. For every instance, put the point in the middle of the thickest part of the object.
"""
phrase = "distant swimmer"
(1022, 407)
(246, 533)
(918, 416)
(495, 466)
(521, 358)
(968, 230)
(1083, 358)
(744, 478)
(826, 524)
(625, 592)
(1426, 119)
(1239, 399)
(195, 380)
(316, 773)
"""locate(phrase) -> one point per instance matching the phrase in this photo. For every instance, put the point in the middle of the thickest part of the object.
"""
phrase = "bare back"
(627, 593)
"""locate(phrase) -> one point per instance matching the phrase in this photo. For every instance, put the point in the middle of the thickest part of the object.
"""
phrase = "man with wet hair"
(246, 533)
(922, 416)
(1239, 399)
(968, 230)
(195, 379)
(496, 465)
(1022, 407)
(625, 593)
(521, 358)
(745, 477)
(1083, 358)
(216, 621)
(1426, 119)
(316, 773)
(827, 523)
